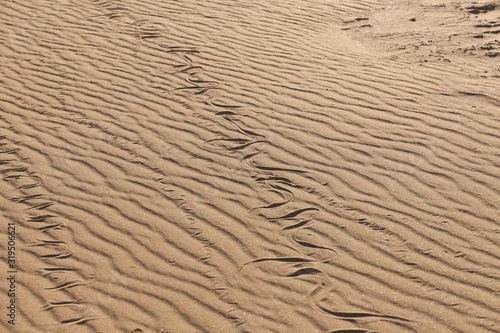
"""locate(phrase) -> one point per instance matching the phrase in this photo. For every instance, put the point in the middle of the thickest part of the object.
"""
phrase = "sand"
(250, 166)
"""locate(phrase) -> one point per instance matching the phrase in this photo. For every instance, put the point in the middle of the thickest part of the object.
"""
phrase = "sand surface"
(250, 166)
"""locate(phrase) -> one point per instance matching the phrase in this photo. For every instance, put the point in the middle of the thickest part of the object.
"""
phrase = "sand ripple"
(237, 166)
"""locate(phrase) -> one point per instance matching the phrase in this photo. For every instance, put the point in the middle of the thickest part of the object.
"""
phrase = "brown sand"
(251, 166)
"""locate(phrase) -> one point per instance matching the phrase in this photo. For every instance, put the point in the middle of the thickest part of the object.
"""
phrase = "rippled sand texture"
(251, 166)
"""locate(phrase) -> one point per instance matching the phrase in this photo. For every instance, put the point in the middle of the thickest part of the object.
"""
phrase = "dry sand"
(250, 166)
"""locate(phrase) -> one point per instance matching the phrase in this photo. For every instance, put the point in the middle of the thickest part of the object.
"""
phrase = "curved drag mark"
(225, 106)
(180, 49)
(351, 315)
(49, 270)
(297, 225)
(241, 129)
(305, 271)
(45, 242)
(294, 214)
(59, 255)
(310, 245)
(78, 321)
(41, 218)
(53, 304)
(68, 284)
(316, 297)
(240, 143)
(290, 260)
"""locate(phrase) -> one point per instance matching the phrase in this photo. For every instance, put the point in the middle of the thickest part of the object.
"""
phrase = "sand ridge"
(239, 166)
